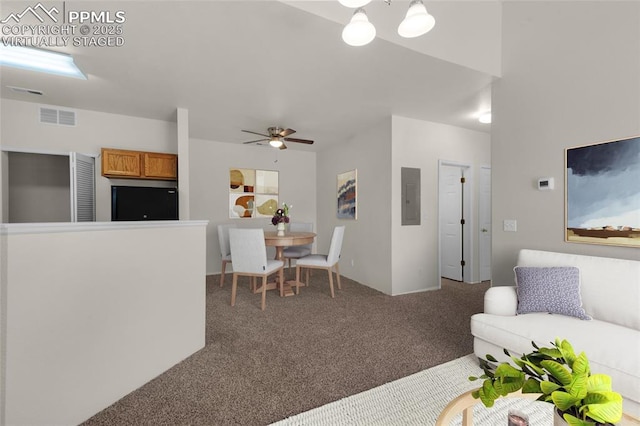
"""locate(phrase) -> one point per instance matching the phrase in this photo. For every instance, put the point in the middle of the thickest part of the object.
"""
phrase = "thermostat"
(545, 184)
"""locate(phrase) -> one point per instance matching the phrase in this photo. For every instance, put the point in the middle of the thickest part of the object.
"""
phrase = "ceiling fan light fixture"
(417, 21)
(354, 3)
(275, 142)
(359, 31)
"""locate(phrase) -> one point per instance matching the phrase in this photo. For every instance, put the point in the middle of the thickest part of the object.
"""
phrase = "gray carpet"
(301, 352)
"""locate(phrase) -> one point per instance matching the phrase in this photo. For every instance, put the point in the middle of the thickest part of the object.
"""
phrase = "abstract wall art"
(347, 195)
(252, 193)
(603, 194)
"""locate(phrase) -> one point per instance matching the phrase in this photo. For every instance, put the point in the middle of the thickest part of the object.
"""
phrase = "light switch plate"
(510, 225)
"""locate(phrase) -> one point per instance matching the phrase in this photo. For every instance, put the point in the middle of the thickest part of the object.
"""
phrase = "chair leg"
(224, 266)
(297, 279)
(307, 284)
(264, 292)
(234, 287)
(331, 282)
(253, 284)
(338, 276)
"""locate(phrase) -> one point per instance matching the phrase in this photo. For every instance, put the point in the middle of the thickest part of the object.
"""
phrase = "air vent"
(57, 116)
(25, 90)
(66, 118)
(49, 115)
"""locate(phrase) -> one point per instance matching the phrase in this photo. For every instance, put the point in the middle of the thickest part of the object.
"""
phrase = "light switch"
(510, 225)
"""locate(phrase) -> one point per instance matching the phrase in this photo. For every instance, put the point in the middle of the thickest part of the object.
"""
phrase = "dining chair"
(225, 249)
(328, 261)
(249, 254)
(296, 252)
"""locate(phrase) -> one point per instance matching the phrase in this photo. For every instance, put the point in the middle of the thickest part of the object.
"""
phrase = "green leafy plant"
(561, 377)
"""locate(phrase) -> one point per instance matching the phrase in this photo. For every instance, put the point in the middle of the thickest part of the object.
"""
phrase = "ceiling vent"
(25, 90)
(57, 116)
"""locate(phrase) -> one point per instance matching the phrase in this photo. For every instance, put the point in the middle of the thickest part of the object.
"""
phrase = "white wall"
(421, 144)
(21, 130)
(108, 308)
(39, 189)
(367, 239)
(571, 76)
(209, 185)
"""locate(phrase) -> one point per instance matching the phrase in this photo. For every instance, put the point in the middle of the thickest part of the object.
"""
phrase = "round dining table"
(272, 239)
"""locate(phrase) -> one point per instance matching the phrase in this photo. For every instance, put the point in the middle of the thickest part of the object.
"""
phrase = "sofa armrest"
(501, 301)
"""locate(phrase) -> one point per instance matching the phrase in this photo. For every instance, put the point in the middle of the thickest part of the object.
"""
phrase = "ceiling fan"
(277, 136)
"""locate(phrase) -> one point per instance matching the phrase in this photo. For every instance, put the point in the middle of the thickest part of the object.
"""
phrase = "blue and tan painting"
(603, 193)
(347, 202)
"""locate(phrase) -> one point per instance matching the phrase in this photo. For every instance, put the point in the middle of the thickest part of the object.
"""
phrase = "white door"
(484, 217)
(450, 202)
(83, 187)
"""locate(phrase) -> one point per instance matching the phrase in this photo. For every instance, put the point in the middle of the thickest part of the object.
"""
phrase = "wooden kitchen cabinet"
(119, 163)
(160, 166)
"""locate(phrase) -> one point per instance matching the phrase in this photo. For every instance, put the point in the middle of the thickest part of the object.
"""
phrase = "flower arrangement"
(561, 377)
(281, 215)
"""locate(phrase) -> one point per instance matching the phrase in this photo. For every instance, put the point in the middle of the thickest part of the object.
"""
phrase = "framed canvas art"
(603, 194)
(347, 195)
(252, 193)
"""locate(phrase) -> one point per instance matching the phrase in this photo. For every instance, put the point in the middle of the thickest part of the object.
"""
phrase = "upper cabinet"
(118, 163)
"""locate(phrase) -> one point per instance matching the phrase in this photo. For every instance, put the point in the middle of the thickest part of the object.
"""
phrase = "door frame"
(468, 249)
(480, 226)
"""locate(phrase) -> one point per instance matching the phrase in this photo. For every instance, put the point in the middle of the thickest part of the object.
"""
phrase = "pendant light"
(359, 31)
(417, 21)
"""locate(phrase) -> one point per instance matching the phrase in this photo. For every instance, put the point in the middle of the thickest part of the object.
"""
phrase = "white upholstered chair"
(225, 249)
(328, 262)
(249, 254)
(296, 252)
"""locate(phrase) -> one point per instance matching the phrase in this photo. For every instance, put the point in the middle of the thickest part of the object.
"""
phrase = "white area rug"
(418, 400)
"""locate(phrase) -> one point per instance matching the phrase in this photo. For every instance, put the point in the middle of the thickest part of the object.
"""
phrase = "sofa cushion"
(555, 290)
(609, 287)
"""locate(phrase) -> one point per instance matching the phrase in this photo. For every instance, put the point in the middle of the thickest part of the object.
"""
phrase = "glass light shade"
(39, 60)
(485, 118)
(354, 3)
(359, 31)
(275, 142)
(417, 21)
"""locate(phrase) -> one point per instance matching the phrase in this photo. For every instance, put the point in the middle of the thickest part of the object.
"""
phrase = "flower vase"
(280, 228)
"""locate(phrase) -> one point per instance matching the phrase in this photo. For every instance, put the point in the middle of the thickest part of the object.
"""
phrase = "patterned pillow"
(555, 290)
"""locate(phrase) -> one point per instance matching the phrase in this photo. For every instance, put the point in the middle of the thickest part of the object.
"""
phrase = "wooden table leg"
(285, 288)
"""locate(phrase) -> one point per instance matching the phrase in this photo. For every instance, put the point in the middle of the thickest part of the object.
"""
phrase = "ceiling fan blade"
(286, 132)
(257, 140)
(256, 133)
(307, 141)
(283, 146)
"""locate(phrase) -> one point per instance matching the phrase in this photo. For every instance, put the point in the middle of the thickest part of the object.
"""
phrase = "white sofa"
(610, 291)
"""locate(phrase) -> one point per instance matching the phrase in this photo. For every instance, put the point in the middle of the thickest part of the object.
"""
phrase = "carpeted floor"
(301, 352)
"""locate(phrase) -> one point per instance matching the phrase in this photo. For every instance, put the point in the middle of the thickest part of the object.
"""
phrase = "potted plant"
(561, 377)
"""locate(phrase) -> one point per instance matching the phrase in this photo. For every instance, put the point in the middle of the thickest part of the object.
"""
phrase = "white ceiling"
(250, 65)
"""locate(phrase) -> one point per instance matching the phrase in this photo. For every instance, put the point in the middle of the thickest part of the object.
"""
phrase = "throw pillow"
(554, 289)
